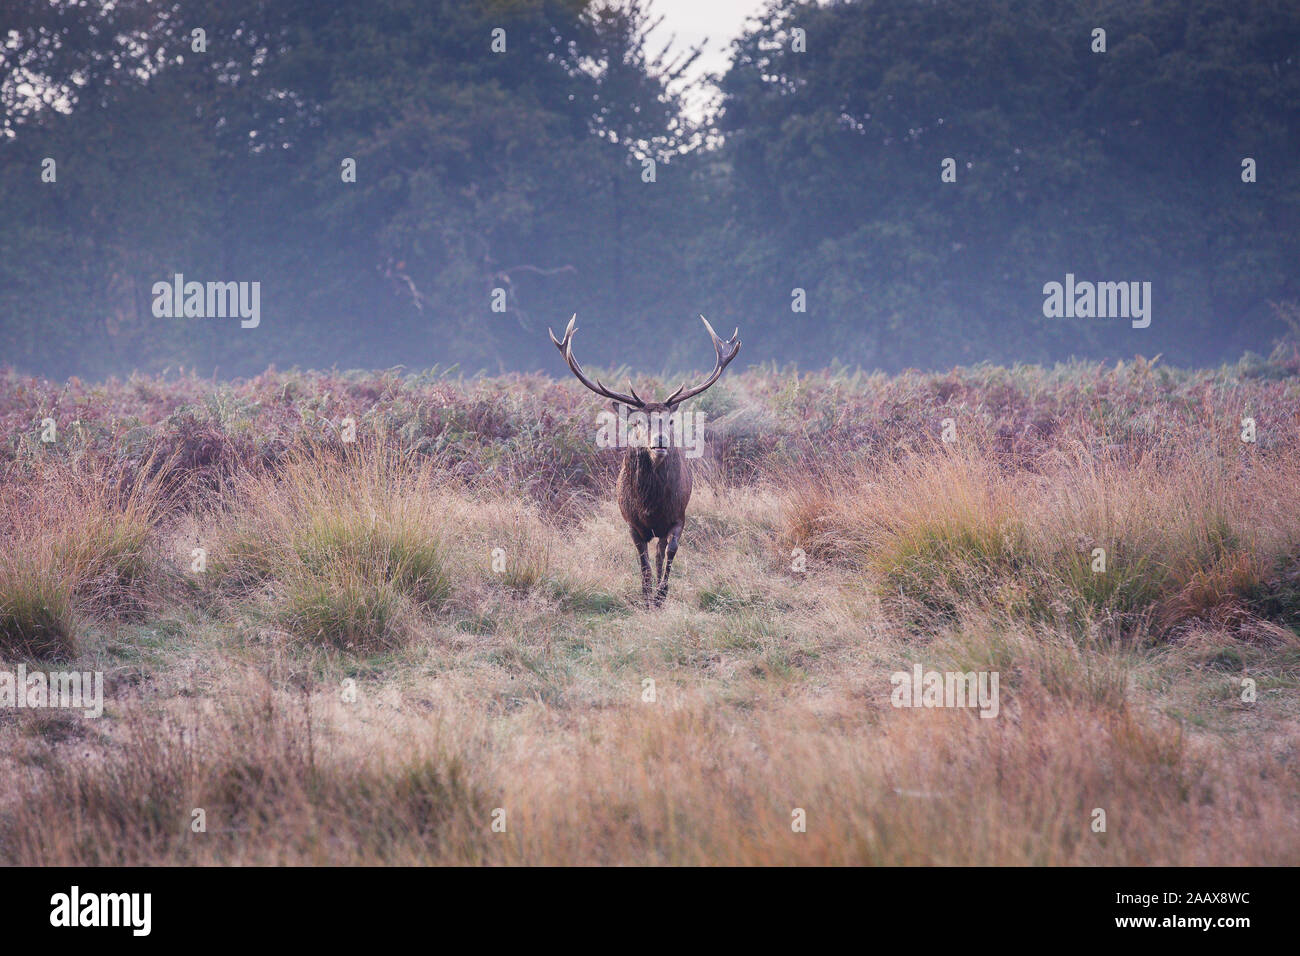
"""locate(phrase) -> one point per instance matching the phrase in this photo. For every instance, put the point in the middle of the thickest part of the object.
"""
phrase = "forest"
(880, 183)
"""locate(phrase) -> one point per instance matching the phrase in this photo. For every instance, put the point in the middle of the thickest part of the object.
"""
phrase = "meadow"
(394, 618)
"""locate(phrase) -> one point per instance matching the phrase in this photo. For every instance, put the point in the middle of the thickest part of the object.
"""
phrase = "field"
(425, 645)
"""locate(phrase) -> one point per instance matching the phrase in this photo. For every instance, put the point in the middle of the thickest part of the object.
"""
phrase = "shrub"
(344, 543)
(76, 542)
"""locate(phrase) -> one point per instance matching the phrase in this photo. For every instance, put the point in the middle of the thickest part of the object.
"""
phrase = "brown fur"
(654, 482)
(653, 497)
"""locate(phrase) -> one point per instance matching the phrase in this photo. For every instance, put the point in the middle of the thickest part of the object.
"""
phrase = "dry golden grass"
(520, 690)
(302, 779)
(340, 548)
(1187, 534)
(74, 545)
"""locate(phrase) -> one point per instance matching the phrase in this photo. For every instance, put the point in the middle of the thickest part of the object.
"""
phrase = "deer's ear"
(614, 407)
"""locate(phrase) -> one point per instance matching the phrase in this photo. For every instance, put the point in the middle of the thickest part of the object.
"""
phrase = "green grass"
(36, 616)
(350, 613)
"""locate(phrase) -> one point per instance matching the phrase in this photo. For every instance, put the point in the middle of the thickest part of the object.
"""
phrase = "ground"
(426, 645)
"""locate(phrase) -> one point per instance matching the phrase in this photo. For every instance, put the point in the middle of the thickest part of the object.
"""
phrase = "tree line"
(883, 183)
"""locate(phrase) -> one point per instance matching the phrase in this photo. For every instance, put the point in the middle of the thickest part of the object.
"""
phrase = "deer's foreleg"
(647, 581)
(668, 551)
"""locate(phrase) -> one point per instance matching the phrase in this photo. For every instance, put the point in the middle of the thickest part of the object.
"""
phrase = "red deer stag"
(654, 482)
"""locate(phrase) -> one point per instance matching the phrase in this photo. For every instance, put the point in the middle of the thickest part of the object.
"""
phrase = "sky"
(713, 22)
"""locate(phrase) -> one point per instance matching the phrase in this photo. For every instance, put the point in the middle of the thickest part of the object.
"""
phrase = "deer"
(654, 479)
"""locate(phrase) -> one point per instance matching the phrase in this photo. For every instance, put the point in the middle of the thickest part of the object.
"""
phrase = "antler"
(566, 349)
(726, 351)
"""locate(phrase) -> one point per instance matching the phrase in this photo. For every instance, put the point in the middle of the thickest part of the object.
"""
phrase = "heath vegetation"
(391, 618)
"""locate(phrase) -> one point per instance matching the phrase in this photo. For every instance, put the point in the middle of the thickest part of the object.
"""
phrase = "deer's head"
(652, 430)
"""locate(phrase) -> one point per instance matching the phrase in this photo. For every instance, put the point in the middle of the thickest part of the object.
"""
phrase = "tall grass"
(1185, 533)
(284, 780)
(76, 544)
(253, 784)
(345, 544)
(833, 539)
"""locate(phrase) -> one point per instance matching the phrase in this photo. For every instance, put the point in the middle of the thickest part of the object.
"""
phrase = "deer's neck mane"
(639, 466)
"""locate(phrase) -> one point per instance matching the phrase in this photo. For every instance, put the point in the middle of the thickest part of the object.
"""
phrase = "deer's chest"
(653, 500)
